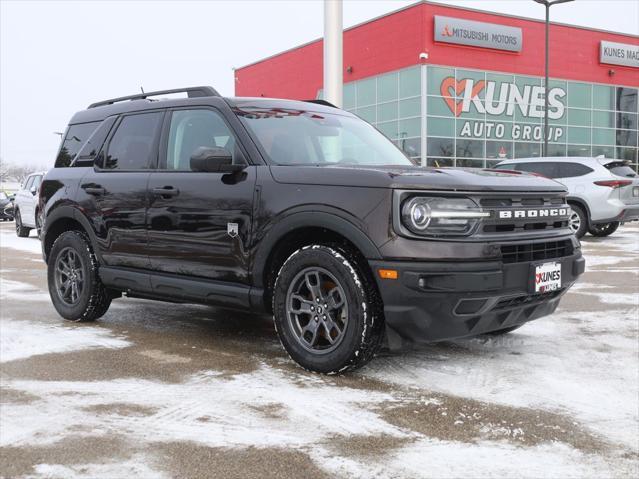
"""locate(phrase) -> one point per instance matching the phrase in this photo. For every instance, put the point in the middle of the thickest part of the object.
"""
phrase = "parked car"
(6, 207)
(26, 210)
(601, 192)
(302, 210)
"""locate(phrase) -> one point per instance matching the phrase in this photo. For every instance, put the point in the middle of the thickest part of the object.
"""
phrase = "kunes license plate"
(547, 277)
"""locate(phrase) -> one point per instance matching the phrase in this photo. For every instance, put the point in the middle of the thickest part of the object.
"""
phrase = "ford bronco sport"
(302, 210)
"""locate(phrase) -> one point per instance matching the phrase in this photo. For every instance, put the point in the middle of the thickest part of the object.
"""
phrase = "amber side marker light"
(387, 273)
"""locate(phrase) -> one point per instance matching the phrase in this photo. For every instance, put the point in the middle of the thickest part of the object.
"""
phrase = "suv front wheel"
(74, 285)
(326, 311)
(21, 230)
(578, 220)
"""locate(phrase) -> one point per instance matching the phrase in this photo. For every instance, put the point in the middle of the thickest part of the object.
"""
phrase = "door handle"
(166, 191)
(93, 189)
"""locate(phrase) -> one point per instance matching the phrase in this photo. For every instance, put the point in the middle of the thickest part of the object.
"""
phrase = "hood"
(415, 177)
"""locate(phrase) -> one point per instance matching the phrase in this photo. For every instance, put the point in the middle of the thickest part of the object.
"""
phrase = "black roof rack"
(192, 92)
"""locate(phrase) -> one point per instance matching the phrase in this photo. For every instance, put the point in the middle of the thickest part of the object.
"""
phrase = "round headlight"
(420, 215)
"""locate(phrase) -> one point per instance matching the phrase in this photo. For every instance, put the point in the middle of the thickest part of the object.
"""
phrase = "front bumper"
(436, 301)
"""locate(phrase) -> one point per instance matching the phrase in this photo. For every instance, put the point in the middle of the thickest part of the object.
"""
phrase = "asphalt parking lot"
(162, 390)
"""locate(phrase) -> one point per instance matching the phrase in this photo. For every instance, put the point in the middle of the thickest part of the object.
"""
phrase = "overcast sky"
(57, 57)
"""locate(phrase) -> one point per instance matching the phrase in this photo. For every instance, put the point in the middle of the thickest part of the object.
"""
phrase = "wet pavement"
(162, 390)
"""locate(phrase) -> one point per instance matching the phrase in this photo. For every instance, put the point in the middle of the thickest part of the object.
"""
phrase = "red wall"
(396, 40)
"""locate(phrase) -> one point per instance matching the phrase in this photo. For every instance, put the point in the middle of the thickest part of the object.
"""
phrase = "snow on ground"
(23, 339)
(580, 364)
(9, 239)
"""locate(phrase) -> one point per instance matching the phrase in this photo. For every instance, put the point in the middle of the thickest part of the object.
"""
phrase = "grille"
(526, 300)
(521, 253)
(494, 225)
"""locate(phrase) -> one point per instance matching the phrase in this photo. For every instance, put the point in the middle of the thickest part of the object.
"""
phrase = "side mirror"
(33, 190)
(213, 160)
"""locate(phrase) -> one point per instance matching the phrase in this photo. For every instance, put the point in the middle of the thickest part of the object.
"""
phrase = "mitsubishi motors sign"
(477, 34)
(469, 98)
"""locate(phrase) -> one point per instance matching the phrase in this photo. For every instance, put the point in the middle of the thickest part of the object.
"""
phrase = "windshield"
(296, 137)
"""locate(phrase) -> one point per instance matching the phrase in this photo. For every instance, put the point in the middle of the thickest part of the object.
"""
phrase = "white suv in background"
(26, 205)
(601, 192)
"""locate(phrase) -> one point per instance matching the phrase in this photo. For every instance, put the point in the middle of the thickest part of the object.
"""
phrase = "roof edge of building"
(429, 2)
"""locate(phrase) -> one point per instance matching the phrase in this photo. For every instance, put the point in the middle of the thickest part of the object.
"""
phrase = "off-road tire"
(583, 220)
(21, 230)
(604, 229)
(94, 299)
(363, 333)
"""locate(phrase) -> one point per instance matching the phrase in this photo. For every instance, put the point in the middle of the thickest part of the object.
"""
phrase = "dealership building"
(460, 87)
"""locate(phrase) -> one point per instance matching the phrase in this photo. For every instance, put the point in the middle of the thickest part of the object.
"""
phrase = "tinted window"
(192, 129)
(621, 169)
(75, 137)
(544, 168)
(92, 146)
(36, 182)
(571, 170)
(132, 145)
(508, 166)
(28, 183)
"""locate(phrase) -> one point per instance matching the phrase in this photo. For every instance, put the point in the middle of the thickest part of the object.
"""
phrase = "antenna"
(142, 90)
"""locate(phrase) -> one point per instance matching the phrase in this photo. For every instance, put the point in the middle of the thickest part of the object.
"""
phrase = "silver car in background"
(601, 192)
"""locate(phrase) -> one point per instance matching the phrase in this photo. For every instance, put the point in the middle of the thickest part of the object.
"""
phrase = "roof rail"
(192, 92)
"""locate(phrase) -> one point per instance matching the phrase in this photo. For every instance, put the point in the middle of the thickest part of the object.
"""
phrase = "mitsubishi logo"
(447, 32)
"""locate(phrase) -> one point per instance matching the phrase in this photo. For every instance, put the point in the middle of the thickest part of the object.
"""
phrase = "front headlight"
(441, 216)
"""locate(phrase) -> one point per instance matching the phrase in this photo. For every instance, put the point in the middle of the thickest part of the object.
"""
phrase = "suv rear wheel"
(326, 311)
(578, 220)
(603, 229)
(74, 285)
(21, 230)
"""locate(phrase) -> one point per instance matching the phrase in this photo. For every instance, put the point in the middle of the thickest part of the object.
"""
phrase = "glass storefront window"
(603, 118)
(603, 97)
(440, 127)
(527, 150)
(366, 92)
(410, 107)
(441, 147)
(410, 82)
(387, 87)
(469, 149)
(603, 136)
(627, 99)
(411, 127)
(435, 78)
(502, 117)
(578, 135)
(387, 111)
(578, 150)
(578, 117)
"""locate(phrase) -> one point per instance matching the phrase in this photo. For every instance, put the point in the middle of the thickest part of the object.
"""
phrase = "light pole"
(333, 59)
(547, 4)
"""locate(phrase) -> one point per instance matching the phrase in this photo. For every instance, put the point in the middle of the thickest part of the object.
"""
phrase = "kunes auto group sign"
(499, 99)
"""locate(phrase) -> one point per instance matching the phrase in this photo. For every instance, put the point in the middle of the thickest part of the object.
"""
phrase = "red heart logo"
(458, 88)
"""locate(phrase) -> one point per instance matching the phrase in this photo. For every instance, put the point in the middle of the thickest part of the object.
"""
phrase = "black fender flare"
(305, 219)
(68, 212)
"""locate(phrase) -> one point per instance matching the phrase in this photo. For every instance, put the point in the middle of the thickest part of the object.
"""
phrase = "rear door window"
(133, 145)
(572, 170)
(544, 168)
(74, 138)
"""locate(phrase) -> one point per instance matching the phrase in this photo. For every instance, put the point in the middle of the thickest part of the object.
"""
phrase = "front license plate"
(547, 277)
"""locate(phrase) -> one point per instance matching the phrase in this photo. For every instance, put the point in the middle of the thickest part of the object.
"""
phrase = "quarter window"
(75, 137)
(192, 129)
(132, 145)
